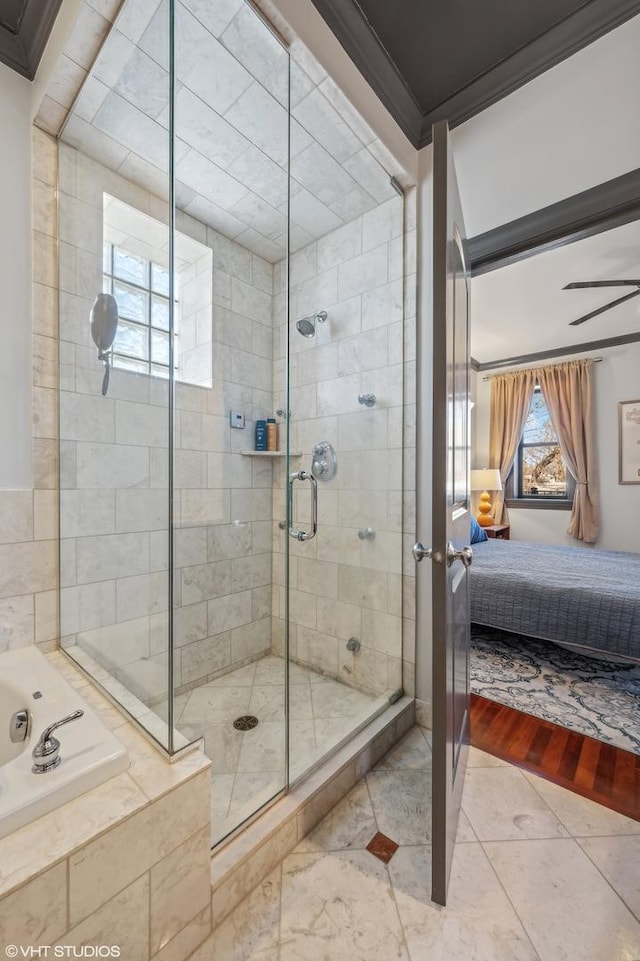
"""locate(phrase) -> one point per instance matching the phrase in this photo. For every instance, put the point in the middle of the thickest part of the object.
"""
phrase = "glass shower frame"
(162, 726)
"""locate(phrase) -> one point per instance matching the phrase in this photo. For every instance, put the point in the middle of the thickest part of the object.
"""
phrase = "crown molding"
(23, 49)
(357, 35)
(600, 208)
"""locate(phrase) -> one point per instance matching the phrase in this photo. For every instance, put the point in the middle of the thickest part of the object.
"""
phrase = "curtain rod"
(595, 360)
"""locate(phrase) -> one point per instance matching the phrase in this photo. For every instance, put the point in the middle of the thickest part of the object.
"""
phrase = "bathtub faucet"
(46, 753)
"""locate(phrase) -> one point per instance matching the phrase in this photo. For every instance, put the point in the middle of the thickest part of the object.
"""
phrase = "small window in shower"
(141, 289)
(136, 273)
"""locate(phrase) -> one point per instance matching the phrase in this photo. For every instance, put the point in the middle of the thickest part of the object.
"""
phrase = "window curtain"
(510, 399)
(568, 392)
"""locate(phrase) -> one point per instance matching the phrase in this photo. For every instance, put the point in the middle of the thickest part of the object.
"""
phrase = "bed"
(578, 597)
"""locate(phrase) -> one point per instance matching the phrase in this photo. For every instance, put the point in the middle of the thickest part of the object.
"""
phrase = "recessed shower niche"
(209, 184)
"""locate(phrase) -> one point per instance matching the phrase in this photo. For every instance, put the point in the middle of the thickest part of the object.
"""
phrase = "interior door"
(450, 554)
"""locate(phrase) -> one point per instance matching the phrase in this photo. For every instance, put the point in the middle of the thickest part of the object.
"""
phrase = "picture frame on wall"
(629, 441)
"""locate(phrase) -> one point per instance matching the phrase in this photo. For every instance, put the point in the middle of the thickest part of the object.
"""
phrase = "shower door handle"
(303, 475)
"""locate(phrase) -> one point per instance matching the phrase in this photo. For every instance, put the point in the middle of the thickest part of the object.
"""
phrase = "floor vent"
(245, 723)
(382, 847)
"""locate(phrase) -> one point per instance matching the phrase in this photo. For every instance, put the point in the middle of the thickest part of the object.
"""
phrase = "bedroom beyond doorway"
(592, 696)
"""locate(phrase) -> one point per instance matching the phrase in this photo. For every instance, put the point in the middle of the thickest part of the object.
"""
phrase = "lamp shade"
(487, 479)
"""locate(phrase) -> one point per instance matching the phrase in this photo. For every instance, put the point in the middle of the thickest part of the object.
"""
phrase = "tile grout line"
(398, 915)
(508, 897)
(607, 881)
(544, 800)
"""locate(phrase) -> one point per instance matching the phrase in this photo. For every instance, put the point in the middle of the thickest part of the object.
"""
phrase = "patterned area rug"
(594, 697)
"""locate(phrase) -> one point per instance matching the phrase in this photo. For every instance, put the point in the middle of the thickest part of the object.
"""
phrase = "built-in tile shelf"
(270, 453)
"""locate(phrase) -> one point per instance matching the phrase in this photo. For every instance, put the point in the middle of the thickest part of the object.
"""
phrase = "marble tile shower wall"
(114, 461)
(342, 586)
(29, 518)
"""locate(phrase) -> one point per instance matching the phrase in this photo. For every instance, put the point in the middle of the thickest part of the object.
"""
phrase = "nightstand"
(499, 532)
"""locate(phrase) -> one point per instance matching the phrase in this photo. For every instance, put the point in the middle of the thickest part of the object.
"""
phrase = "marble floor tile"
(501, 805)
(618, 859)
(207, 705)
(350, 825)
(478, 924)
(270, 670)
(253, 790)
(222, 744)
(465, 831)
(411, 752)
(252, 931)
(339, 906)
(257, 758)
(221, 791)
(531, 899)
(331, 699)
(267, 702)
(241, 677)
(402, 804)
(263, 749)
(477, 758)
(303, 748)
(567, 908)
(331, 730)
(580, 816)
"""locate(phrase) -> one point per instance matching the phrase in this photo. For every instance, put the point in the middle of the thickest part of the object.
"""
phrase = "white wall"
(616, 379)
(15, 281)
(573, 127)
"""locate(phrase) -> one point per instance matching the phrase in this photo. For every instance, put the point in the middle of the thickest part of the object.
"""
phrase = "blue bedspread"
(580, 596)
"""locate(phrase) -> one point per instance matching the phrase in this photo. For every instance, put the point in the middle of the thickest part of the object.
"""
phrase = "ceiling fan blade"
(601, 310)
(603, 283)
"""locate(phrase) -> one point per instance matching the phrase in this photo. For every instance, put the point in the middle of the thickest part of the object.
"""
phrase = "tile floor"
(539, 874)
(248, 768)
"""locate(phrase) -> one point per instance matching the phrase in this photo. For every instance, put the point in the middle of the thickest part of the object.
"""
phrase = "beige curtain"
(510, 399)
(568, 392)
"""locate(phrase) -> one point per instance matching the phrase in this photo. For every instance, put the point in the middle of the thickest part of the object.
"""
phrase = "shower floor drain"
(245, 723)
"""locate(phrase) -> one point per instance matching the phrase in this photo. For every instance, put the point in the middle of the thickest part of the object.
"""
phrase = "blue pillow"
(477, 534)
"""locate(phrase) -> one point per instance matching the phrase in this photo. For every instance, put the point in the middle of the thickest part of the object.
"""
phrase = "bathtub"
(90, 752)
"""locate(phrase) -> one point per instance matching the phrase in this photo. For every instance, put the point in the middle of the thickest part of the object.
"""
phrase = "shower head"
(307, 325)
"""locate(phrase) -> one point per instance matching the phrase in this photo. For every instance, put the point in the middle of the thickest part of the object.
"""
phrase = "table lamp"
(485, 480)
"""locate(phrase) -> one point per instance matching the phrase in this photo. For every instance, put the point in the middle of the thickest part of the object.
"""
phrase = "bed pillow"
(477, 534)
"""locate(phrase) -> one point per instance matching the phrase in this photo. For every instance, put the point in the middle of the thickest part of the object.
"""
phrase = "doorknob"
(465, 555)
(419, 551)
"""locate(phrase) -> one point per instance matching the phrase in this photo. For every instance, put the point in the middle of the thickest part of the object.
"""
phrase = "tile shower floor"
(539, 874)
(248, 767)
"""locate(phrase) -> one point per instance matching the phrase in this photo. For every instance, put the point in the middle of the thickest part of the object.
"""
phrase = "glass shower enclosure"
(231, 252)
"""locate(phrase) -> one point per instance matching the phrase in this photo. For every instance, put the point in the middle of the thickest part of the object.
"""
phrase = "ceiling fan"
(613, 303)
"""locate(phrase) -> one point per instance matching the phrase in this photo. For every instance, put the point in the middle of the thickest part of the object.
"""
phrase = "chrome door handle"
(465, 555)
(303, 475)
(419, 551)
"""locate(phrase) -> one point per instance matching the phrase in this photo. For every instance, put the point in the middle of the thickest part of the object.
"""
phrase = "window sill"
(523, 503)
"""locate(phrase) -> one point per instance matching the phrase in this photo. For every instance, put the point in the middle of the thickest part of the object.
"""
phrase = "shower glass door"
(251, 243)
(345, 398)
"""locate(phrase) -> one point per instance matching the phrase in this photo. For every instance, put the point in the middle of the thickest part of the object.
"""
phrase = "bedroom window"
(540, 473)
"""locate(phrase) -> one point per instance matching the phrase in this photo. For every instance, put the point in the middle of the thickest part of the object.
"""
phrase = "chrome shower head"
(307, 325)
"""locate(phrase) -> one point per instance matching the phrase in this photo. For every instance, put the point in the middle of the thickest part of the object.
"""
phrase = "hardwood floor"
(596, 770)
